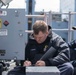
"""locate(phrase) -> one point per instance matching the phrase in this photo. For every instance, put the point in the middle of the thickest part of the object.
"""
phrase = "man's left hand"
(40, 63)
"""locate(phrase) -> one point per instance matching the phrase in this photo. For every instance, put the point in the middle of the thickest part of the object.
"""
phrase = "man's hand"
(27, 63)
(40, 63)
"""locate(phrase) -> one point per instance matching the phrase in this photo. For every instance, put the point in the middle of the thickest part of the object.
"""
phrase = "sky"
(48, 5)
(40, 5)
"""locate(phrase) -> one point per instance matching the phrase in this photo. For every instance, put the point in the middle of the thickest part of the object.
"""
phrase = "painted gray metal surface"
(13, 36)
(42, 70)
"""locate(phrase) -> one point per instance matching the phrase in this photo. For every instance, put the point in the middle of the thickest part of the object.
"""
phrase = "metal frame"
(69, 29)
(48, 19)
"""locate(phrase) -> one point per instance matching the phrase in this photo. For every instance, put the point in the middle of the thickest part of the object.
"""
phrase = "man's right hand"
(27, 63)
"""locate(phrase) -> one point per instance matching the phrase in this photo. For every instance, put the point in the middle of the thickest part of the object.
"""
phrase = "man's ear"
(47, 32)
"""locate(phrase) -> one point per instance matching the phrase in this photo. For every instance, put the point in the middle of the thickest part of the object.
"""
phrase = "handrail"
(37, 16)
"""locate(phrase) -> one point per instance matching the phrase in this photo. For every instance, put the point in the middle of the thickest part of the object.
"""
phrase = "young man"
(40, 42)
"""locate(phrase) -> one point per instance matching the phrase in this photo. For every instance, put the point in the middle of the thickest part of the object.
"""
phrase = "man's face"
(41, 37)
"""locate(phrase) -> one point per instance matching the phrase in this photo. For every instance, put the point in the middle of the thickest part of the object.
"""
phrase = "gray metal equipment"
(42, 70)
(12, 34)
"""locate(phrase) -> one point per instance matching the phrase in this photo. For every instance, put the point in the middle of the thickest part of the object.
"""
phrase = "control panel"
(12, 34)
